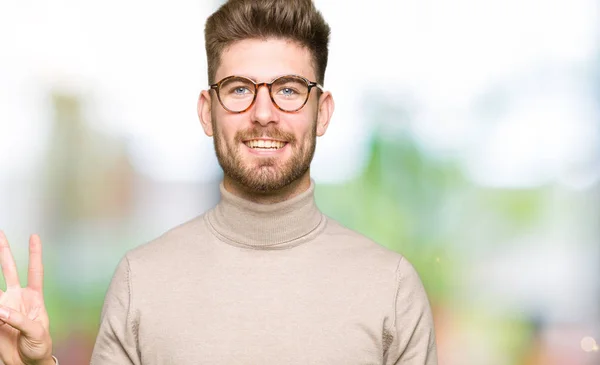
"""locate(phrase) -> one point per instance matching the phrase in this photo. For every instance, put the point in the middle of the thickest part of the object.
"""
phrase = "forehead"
(264, 60)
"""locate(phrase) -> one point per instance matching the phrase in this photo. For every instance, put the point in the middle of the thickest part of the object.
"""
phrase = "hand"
(24, 324)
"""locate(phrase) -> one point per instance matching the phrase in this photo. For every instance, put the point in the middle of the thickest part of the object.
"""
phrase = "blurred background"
(466, 136)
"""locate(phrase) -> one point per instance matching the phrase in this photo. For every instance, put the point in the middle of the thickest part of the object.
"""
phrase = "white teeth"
(265, 144)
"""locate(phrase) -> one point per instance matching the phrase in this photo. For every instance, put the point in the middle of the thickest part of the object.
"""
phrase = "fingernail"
(4, 313)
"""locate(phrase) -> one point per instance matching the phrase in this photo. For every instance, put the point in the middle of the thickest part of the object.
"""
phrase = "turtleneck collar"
(266, 226)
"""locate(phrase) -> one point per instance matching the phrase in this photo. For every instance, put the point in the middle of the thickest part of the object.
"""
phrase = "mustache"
(269, 132)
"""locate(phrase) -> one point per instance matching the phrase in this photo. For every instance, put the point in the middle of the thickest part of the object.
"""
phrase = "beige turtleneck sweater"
(247, 283)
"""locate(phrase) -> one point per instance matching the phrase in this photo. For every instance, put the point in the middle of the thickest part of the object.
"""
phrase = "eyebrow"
(276, 77)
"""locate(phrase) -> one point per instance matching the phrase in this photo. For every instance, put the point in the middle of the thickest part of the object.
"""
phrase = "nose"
(263, 111)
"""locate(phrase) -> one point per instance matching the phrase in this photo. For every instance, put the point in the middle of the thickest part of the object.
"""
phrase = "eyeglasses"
(288, 93)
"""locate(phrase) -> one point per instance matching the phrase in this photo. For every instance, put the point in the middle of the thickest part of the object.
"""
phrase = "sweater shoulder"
(354, 241)
(175, 242)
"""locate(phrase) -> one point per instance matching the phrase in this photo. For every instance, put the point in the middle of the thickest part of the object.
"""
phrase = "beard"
(264, 174)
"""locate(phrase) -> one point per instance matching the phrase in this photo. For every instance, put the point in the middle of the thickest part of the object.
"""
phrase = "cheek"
(223, 126)
(312, 113)
(306, 123)
(303, 133)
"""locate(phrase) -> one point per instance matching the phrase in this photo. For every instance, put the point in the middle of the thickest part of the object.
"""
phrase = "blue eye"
(287, 91)
(240, 90)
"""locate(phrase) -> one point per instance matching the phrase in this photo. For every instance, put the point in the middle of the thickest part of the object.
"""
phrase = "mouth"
(265, 144)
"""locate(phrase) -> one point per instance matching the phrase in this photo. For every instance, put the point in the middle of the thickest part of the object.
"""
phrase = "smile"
(265, 144)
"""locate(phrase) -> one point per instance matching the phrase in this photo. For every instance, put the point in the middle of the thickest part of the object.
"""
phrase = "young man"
(263, 277)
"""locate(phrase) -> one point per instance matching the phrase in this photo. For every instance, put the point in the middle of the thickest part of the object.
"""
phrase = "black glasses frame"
(269, 85)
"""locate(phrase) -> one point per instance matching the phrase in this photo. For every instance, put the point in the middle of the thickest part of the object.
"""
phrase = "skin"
(268, 177)
(24, 324)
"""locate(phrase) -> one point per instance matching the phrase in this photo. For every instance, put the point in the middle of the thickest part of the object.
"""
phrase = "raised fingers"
(35, 274)
(9, 268)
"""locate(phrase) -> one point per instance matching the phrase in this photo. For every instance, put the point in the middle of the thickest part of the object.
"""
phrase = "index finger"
(35, 275)
(9, 268)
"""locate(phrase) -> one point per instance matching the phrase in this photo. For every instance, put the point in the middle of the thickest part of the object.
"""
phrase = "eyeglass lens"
(289, 93)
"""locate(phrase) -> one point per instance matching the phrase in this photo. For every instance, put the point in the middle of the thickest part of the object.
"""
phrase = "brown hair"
(296, 20)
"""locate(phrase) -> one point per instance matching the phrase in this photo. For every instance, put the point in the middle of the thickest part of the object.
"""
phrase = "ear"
(326, 106)
(204, 112)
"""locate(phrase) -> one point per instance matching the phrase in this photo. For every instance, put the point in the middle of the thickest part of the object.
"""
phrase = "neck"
(289, 191)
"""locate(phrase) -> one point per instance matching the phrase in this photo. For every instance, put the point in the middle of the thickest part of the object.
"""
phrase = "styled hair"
(295, 20)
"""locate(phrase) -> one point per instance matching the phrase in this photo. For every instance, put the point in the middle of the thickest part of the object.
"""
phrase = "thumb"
(32, 330)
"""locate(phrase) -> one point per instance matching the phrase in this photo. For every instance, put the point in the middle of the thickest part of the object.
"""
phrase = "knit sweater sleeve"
(116, 343)
(413, 335)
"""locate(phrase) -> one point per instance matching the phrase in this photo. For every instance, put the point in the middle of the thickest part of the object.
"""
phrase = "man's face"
(237, 136)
